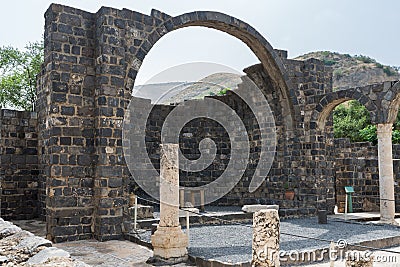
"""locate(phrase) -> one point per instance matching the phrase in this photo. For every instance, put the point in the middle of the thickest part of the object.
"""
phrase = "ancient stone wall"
(66, 126)
(91, 62)
(356, 165)
(19, 170)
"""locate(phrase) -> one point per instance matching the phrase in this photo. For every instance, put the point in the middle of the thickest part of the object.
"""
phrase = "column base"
(170, 245)
(389, 221)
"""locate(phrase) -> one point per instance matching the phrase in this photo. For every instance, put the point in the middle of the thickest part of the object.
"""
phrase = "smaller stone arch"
(331, 100)
(394, 103)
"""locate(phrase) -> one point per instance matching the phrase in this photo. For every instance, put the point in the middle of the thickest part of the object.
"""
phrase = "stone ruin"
(64, 163)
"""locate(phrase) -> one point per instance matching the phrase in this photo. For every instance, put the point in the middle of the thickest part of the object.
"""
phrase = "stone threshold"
(203, 219)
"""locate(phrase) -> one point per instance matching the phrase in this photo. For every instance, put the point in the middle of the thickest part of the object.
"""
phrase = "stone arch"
(393, 109)
(329, 101)
(269, 59)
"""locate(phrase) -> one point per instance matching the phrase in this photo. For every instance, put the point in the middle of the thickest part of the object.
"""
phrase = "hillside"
(348, 72)
(210, 85)
(353, 71)
(176, 92)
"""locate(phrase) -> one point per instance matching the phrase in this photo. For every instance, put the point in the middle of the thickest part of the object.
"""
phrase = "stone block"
(32, 243)
(46, 254)
(356, 258)
(8, 228)
(255, 208)
(192, 212)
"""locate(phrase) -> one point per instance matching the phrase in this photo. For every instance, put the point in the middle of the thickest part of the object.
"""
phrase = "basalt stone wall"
(91, 62)
(295, 161)
(19, 165)
(66, 126)
(356, 165)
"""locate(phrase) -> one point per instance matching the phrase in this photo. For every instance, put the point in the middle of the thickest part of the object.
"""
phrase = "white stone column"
(386, 179)
(169, 241)
(265, 239)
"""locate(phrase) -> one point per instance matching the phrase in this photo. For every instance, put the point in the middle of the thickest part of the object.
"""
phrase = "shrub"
(223, 91)
(365, 59)
(329, 62)
(389, 71)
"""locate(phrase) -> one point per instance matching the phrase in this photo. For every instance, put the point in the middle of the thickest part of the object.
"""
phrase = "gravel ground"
(232, 243)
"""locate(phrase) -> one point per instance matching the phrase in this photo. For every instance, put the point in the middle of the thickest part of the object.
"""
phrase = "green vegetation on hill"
(354, 71)
(351, 119)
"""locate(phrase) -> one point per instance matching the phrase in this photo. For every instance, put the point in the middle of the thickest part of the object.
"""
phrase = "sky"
(367, 27)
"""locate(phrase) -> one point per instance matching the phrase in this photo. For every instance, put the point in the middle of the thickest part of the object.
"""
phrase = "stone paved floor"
(100, 254)
(108, 254)
(382, 259)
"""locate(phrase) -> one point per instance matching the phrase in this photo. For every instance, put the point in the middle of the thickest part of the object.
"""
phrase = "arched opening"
(173, 79)
(269, 59)
(222, 146)
(394, 118)
(354, 153)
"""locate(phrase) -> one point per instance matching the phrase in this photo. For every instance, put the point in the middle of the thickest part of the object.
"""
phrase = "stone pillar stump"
(169, 242)
(265, 239)
(356, 258)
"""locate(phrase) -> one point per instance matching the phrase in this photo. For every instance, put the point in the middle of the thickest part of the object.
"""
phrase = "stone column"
(265, 238)
(169, 241)
(386, 180)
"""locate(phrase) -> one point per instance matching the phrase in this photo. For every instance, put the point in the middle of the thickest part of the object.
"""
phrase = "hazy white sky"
(368, 27)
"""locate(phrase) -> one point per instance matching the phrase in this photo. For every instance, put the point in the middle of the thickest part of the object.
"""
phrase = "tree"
(352, 120)
(348, 119)
(18, 73)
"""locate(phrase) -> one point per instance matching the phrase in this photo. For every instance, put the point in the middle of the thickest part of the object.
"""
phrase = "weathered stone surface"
(3, 259)
(25, 249)
(32, 243)
(7, 228)
(46, 254)
(192, 212)
(255, 208)
(356, 258)
(386, 181)
(266, 238)
(169, 242)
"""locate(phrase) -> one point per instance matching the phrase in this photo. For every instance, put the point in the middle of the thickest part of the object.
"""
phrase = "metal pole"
(135, 218)
(187, 224)
(345, 209)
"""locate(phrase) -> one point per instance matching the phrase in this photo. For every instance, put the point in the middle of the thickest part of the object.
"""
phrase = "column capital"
(384, 128)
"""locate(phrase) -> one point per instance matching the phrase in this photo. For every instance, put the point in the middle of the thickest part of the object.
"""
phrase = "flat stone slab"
(8, 228)
(32, 243)
(46, 254)
(257, 207)
(3, 259)
(22, 248)
(192, 212)
(113, 253)
(13, 240)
